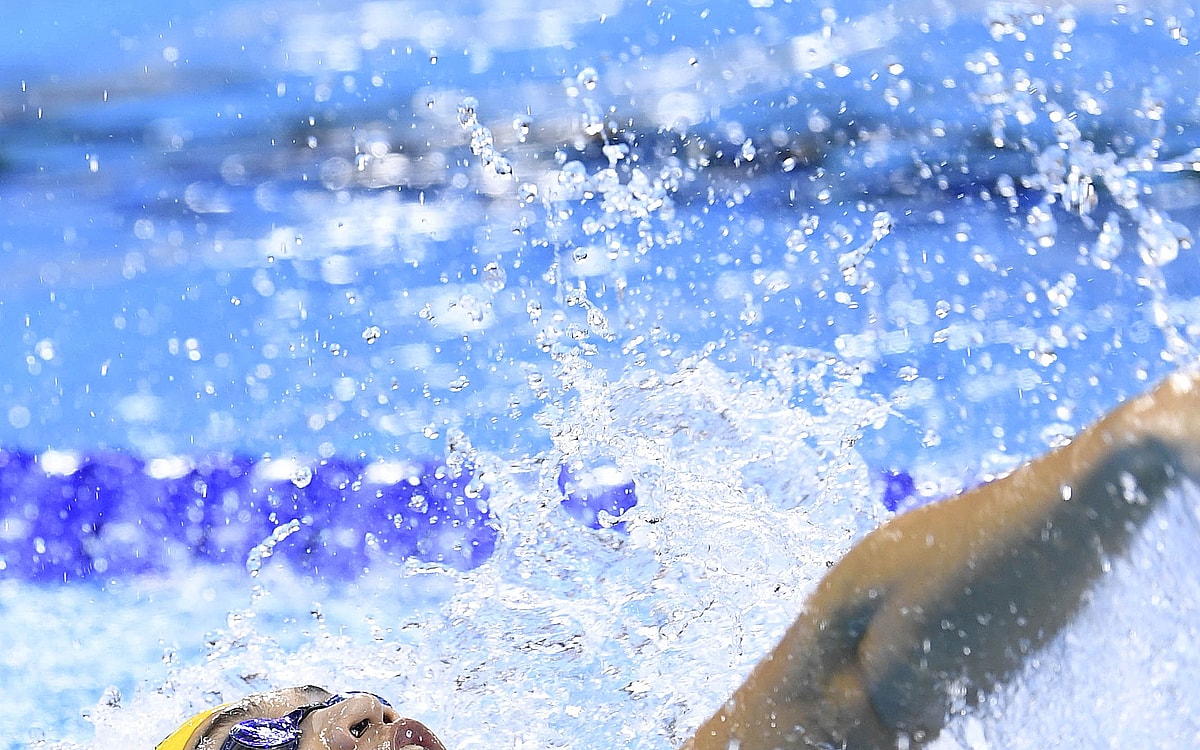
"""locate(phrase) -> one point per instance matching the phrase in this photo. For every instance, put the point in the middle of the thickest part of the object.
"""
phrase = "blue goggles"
(282, 733)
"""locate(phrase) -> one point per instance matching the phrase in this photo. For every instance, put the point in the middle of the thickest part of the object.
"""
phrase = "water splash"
(583, 636)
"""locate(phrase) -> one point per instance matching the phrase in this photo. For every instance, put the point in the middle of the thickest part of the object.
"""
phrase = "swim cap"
(178, 740)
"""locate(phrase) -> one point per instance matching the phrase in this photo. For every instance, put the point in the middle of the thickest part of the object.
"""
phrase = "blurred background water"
(336, 340)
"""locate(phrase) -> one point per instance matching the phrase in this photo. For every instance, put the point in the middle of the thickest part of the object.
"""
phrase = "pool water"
(529, 363)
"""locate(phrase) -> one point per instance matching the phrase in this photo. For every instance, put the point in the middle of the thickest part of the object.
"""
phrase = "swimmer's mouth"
(413, 735)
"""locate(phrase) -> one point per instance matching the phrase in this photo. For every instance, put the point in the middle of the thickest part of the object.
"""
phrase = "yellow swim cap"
(179, 738)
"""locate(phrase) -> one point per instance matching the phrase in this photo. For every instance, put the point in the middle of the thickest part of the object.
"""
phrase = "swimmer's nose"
(358, 718)
(411, 732)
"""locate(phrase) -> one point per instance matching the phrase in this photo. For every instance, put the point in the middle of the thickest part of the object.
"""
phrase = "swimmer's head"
(305, 718)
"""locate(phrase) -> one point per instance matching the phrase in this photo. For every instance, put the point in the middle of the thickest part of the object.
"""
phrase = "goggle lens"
(264, 734)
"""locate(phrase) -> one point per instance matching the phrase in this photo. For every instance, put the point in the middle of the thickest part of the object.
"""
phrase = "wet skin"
(360, 722)
(954, 596)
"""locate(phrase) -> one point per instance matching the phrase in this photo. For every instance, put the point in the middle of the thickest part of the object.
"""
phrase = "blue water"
(514, 360)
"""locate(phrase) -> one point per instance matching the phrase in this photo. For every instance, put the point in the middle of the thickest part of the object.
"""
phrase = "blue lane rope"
(109, 514)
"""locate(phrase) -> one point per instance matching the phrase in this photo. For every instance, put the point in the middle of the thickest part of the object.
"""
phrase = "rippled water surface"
(529, 362)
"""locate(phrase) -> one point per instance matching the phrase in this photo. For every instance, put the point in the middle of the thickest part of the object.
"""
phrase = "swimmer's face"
(358, 721)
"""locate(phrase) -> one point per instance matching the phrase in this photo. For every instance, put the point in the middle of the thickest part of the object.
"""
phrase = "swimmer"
(302, 718)
(948, 599)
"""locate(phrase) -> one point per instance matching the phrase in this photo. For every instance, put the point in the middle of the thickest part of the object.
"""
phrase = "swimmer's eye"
(358, 729)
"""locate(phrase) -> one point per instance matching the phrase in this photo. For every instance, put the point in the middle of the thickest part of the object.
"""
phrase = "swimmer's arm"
(959, 592)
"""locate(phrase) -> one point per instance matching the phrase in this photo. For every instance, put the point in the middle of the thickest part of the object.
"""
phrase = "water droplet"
(588, 78)
(302, 477)
(494, 277)
(521, 125)
(265, 548)
(881, 226)
(573, 173)
(1161, 239)
(527, 192)
(1066, 19)
(371, 334)
(1109, 242)
(1044, 357)
(1043, 225)
(748, 150)
(466, 112)
(596, 318)
(796, 241)
(501, 166)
